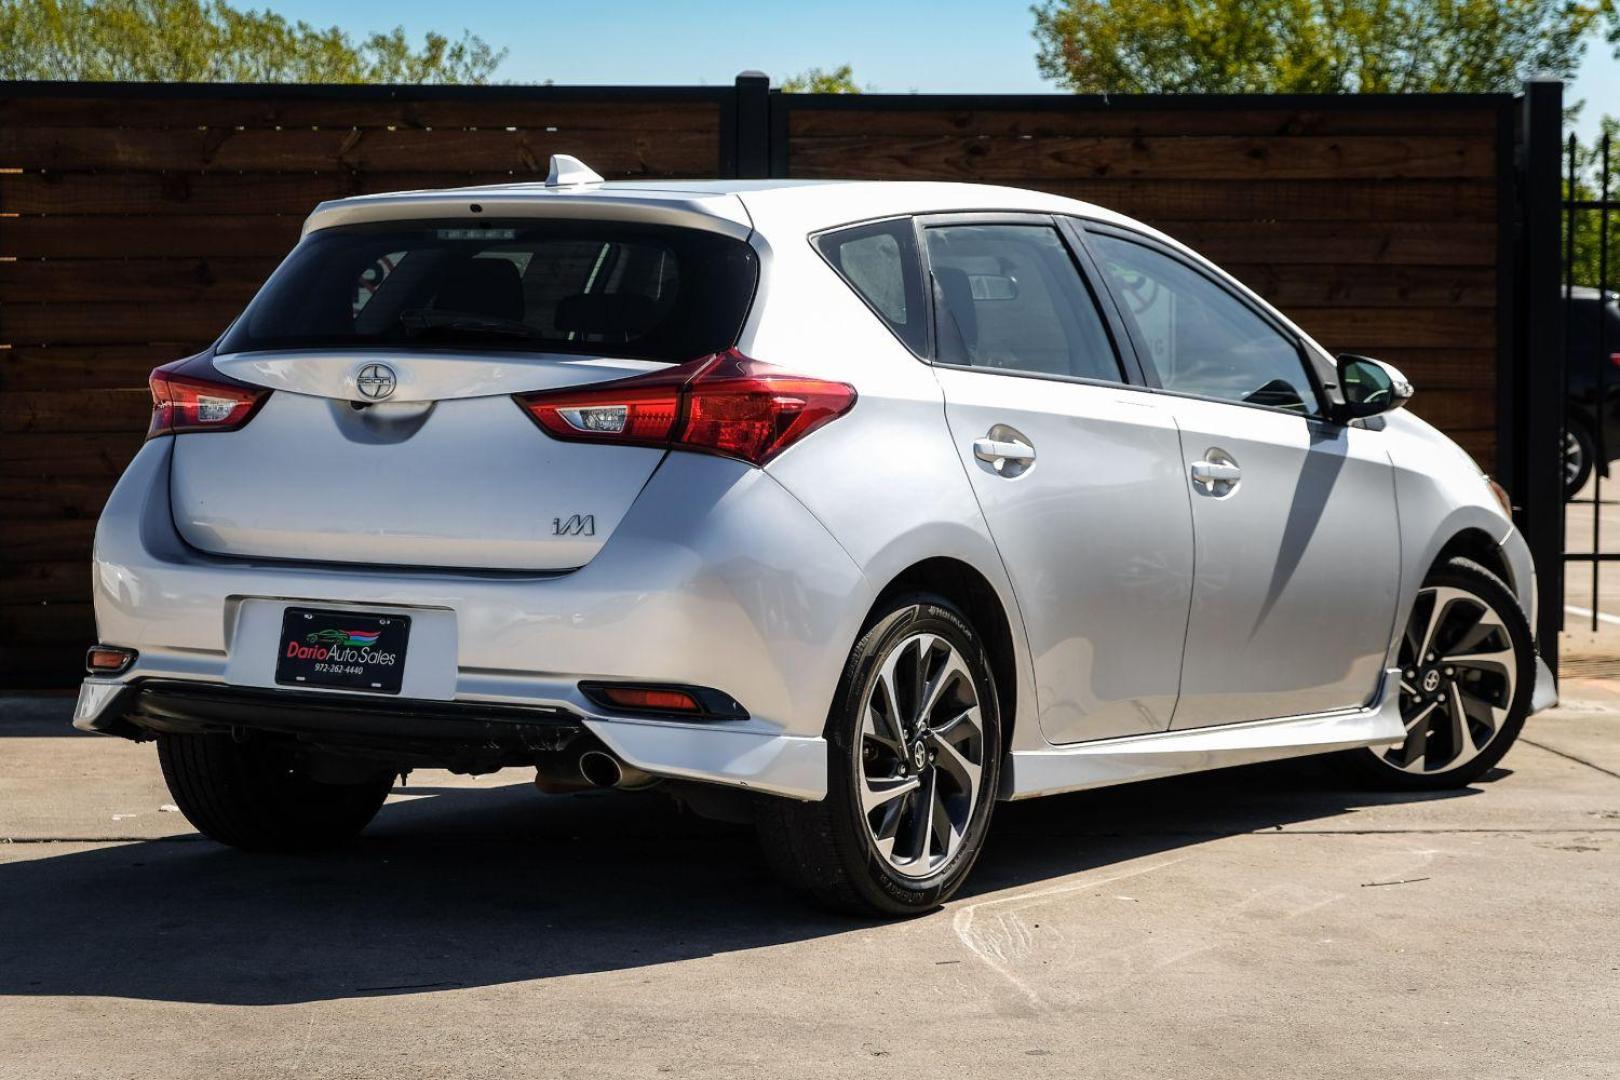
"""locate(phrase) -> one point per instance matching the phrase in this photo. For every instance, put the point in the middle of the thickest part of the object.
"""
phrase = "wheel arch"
(1476, 544)
(970, 590)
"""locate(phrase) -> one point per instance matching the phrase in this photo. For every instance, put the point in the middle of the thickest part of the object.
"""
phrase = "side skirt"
(1171, 753)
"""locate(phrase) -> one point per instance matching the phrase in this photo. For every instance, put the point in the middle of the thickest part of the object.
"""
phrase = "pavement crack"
(1570, 757)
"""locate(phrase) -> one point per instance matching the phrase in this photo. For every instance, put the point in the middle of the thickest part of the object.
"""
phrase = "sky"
(896, 46)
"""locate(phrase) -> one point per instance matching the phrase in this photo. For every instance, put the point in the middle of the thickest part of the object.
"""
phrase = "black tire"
(250, 795)
(1376, 765)
(1580, 455)
(826, 849)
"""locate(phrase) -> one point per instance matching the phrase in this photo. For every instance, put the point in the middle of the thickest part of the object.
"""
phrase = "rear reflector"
(188, 402)
(636, 697)
(108, 660)
(723, 404)
(666, 700)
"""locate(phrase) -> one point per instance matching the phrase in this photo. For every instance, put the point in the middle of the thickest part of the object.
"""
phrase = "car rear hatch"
(391, 351)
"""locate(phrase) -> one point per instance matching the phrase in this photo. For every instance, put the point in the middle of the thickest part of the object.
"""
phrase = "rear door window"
(1011, 297)
(636, 291)
(879, 262)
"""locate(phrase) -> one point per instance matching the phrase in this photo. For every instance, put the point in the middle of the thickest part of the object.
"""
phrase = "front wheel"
(914, 749)
(1467, 675)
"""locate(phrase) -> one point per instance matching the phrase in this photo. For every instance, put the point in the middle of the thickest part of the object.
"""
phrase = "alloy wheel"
(921, 755)
(1574, 460)
(1458, 673)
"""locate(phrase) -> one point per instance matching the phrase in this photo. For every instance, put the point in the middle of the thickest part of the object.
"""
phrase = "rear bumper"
(717, 577)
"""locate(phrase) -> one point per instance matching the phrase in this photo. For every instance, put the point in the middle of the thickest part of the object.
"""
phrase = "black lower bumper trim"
(437, 728)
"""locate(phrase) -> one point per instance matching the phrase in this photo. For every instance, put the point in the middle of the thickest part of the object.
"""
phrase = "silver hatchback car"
(849, 507)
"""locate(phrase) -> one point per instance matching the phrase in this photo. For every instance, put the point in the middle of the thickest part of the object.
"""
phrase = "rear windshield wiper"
(419, 319)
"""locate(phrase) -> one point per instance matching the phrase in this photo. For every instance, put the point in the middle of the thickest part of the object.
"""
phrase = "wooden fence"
(136, 220)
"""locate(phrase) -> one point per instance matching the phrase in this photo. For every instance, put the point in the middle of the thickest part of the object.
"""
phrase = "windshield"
(638, 291)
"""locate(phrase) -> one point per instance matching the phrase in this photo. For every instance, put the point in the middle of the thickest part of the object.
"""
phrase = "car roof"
(735, 206)
(1585, 292)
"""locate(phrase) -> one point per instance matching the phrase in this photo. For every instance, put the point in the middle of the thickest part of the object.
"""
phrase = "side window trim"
(1084, 226)
(1124, 349)
(1137, 373)
(919, 266)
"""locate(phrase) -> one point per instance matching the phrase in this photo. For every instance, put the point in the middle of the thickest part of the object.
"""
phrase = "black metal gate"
(1591, 213)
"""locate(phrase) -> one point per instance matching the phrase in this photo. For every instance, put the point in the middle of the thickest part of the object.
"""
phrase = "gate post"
(753, 157)
(1537, 476)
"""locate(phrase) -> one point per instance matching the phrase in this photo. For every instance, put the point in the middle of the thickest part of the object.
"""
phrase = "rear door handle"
(994, 450)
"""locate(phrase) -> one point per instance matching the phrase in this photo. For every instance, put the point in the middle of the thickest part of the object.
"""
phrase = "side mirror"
(1369, 387)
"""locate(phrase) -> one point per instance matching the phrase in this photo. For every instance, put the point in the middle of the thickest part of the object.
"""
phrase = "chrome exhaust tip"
(603, 770)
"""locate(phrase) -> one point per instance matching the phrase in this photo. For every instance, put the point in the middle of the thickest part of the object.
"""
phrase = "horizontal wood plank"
(90, 323)
(46, 582)
(1370, 286)
(1028, 161)
(612, 153)
(80, 367)
(205, 235)
(25, 624)
(1312, 243)
(294, 112)
(26, 541)
(126, 410)
(1165, 202)
(184, 193)
(163, 282)
(61, 498)
(807, 121)
(1152, 200)
(79, 454)
(1350, 329)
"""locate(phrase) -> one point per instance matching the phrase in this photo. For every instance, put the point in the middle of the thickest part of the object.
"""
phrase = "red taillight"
(1614, 358)
(185, 402)
(722, 404)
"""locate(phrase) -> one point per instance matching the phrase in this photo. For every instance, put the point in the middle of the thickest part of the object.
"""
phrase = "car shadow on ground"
(462, 888)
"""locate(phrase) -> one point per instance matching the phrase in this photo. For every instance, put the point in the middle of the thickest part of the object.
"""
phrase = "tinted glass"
(540, 286)
(1586, 337)
(1010, 297)
(1200, 338)
(880, 263)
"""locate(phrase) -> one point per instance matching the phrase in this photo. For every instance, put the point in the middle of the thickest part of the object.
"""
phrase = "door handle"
(1215, 472)
(994, 450)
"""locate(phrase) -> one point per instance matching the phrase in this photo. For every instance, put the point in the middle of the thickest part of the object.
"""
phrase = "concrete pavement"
(1267, 922)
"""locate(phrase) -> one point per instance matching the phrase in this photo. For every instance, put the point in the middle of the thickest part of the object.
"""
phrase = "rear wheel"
(253, 795)
(1467, 675)
(914, 748)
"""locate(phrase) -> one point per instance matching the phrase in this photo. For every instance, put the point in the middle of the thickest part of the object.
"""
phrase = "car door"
(1297, 546)
(1077, 473)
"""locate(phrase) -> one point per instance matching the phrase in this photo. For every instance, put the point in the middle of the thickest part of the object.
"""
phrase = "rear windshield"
(646, 292)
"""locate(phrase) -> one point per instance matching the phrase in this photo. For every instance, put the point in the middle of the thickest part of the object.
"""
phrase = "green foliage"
(211, 41)
(1312, 46)
(840, 80)
(1588, 186)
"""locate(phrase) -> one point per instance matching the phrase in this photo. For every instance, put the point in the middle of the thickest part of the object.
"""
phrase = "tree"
(211, 41)
(840, 80)
(1586, 263)
(1311, 46)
